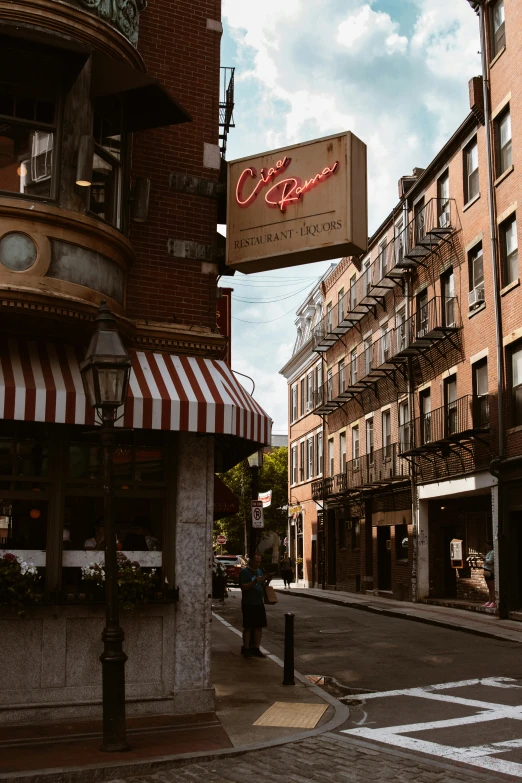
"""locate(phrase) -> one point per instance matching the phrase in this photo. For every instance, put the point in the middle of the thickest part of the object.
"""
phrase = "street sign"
(258, 519)
(222, 540)
(266, 497)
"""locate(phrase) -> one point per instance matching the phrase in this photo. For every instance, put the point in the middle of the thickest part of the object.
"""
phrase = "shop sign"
(266, 498)
(258, 517)
(298, 205)
(294, 510)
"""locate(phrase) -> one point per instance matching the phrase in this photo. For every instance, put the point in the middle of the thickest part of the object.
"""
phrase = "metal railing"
(408, 247)
(379, 467)
(429, 324)
(226, 106)
(458, 417)
(322, 488)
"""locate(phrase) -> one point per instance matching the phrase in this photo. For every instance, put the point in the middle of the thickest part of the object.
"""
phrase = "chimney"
(476, 98)
(408, 181)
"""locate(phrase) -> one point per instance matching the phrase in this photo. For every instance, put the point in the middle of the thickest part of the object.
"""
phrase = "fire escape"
(226, 107)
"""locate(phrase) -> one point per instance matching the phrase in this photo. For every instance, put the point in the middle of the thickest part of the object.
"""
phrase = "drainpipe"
(496, 465)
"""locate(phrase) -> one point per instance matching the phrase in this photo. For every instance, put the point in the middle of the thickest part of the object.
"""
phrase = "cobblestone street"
(326, 759)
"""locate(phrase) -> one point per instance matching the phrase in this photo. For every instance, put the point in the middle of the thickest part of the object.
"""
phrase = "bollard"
(288, 677)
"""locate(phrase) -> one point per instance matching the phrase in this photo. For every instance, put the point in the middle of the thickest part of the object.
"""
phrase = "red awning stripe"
(42, 382)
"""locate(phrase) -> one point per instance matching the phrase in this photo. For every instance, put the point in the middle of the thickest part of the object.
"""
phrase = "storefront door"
(384, 557)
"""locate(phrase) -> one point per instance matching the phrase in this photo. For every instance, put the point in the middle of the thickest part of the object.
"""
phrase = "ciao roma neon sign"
(284, 192)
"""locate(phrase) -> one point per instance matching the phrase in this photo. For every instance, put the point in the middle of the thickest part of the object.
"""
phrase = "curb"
(402, 615)
(93, 773)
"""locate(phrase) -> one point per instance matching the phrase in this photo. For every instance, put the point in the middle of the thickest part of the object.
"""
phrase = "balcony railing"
(432, 322)
(380, 468)
(322, 488)
(410, 247)
(226, 106)
(457, 421)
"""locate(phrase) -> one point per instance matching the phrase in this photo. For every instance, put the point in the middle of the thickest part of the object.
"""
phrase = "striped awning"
(42, 382)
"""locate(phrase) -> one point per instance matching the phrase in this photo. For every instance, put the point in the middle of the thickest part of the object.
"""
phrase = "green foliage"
(135, 586)
(19, 582)
(273, 475)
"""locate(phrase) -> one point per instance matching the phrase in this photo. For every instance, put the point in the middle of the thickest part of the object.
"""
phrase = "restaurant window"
(355, 446)
(516, 385)
(425, 415)
(401, 542)
(450, 404)
(504, 142)
(480, 393)
(302, 394)
(28, 116)
(356, 533)
(105, 191)
(476, 276)
(331, 458)
(293, 402)
(443, 200)
(498, 27)
(353, 366)
(293, 464)
(319, 452)
(509, 250)
(342, 451)
(353, 292)
(310, 458)
(369, 441)
(471, 171)
(302, 460)
(340, 305)
(342, 383)
(386, 434)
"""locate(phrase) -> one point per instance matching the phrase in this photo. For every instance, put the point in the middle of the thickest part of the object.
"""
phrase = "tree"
(273, 475)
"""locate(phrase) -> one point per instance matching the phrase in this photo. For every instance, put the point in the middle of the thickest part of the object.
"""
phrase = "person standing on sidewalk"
(251, 582)
(489, 576)
(287, 570)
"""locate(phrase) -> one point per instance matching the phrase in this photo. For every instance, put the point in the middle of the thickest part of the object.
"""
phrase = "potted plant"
(19, 582)
(135, 585)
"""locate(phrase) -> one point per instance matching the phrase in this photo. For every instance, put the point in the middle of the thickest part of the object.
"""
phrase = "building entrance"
(384, 557)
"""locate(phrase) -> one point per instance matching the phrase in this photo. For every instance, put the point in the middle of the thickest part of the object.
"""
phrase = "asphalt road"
(464, 693)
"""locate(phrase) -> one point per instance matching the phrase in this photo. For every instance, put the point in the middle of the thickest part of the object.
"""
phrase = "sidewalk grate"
(289, 714)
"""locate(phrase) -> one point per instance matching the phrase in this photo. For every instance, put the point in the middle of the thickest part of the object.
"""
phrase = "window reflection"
(106, 177)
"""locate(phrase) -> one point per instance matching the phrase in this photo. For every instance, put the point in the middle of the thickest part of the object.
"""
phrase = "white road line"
(475, 703)
(494, 682)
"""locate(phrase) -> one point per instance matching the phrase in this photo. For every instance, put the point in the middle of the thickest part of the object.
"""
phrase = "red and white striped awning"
(42, 382)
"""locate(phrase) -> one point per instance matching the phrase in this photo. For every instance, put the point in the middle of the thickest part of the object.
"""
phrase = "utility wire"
(262, 322)
(269, 301)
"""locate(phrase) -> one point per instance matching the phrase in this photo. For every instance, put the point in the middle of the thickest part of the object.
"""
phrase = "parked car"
(233, 565)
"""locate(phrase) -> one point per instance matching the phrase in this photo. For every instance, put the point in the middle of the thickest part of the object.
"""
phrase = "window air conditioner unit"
(309, 406)
(476, 296)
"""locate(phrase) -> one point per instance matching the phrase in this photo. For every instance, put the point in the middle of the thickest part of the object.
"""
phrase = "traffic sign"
(222, 540)
(258, 518)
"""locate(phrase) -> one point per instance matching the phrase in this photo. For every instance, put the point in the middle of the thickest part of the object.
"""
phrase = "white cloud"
(365, 32)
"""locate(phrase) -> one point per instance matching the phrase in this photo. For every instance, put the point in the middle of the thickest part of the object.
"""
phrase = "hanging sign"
(258, 517)
(298, 205)
(266, 498)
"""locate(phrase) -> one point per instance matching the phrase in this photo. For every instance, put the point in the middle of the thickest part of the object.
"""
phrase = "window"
(105, 191)
(342, 451)
(385, 343)
(419, 217)
(342, 384)
(386, 434)
(383, 259)
(293, 465)
(309, 391)
(425, 412)
(443, 203)
(293, 402)
(310, 458)
(471, 171)
(504, 142)
(331, 462)
(480, 394)
(404, 426)
(423, 319)
(353, 292)
(368, 355)
(355, 446)
(450, 402)
(329, 385)
(509, 250)
(353, 366)
(401, 542)
(516, 384)
(402, 341)
(369, 440)
(28, 113)
(476, 275)
(302, 460)
(498, 27)
(319, 453)
(356, 533)
(447, 284)
(328, 318)
(340, 305)
(399, 242)
(302, 390)
(367, 278)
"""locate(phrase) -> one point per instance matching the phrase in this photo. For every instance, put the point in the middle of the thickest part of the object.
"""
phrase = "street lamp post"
(106, 370)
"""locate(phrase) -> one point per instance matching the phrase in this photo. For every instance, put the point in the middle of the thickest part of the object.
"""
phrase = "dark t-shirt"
(254, 596)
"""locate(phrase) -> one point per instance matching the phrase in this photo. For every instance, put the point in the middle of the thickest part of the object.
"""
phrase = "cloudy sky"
(394, 72)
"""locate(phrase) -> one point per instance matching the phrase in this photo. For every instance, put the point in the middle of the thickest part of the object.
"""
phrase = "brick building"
(110, 167)
(413, 338)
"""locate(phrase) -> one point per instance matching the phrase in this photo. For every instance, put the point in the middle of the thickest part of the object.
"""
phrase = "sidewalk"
(245, 689)
(477, 623)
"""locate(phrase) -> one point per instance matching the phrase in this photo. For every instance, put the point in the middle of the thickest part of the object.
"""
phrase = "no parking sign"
(258, 519)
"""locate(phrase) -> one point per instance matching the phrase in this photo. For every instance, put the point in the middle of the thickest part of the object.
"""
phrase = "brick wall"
(183, 53)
